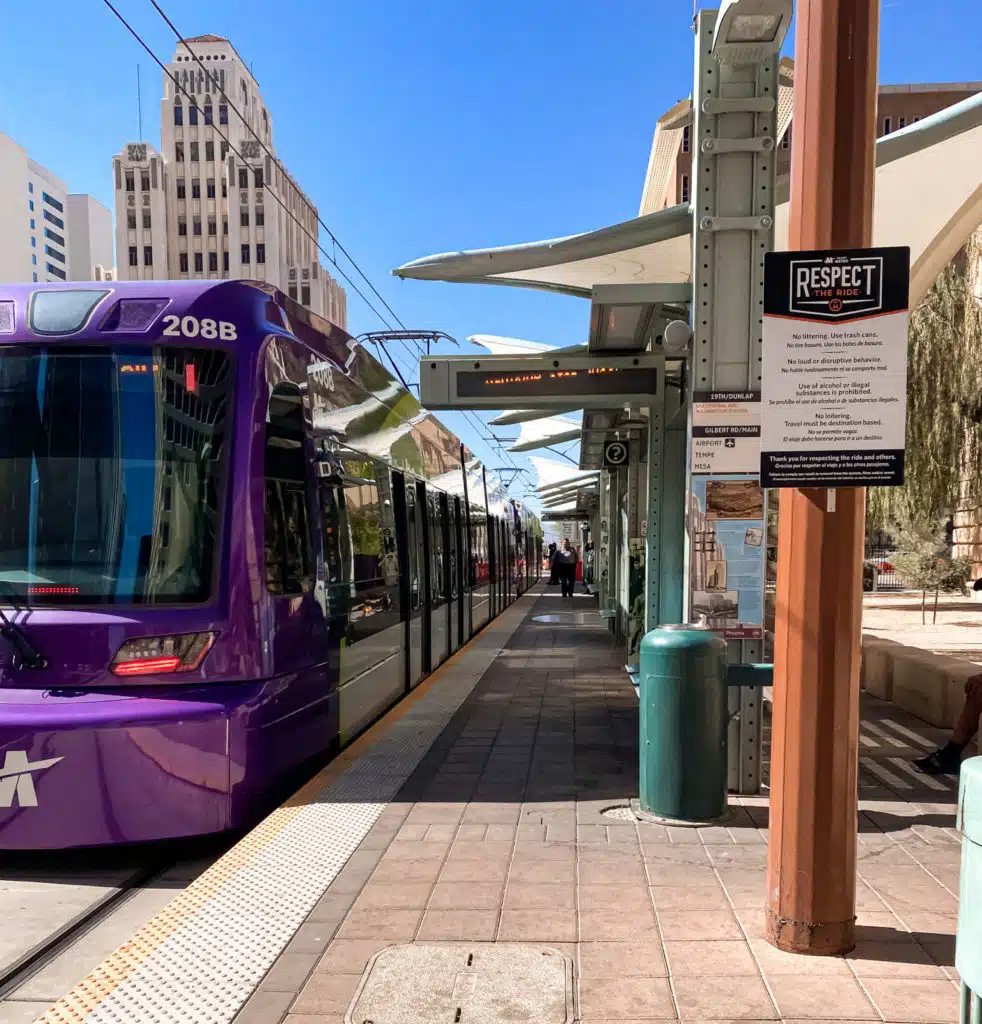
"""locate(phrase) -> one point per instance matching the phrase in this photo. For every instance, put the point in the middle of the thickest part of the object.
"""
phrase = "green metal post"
(683, 765)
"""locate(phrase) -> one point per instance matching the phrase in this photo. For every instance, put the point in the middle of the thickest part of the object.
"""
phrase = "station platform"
(473, 858)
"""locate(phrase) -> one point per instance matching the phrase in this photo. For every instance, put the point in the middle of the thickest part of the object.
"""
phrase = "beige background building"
(196, 210)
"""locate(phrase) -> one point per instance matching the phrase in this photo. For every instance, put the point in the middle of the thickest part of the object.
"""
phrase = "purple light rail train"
(229, 541)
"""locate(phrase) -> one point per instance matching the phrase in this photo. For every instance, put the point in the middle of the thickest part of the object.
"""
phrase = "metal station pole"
(734, 133)
(815, 746)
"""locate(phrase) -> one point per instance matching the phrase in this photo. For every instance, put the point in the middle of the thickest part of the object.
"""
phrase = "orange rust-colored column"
(811, 883)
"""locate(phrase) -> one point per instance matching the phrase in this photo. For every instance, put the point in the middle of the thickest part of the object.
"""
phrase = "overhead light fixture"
(748, 31)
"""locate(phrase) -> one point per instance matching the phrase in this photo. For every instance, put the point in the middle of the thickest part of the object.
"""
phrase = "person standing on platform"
(553, 565)
(567, 559)
(947, 760)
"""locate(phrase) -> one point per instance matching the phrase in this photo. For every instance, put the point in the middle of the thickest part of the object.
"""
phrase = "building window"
(293, 291)
(212, 226)
(260, 216)
(148, 255)
(259, 177)
(245, 253)
(183, 262)
(224, 189)
(180, 188)
(130, 184)
(52, 219)
(197, 225)
(224, 225)
(34, 259)
(194, 152)
(243, 178)
(178, 113)
(195, 188)
(56, 271)
(887, 125)
(179, 152)
(260, 253)
(34, 242)
(209, 150)
(133, 259)
(146, 220)
(686, 133)
(223, 150)
(55, 254)
(305, 294)
(223, 112)
(30, 205)
(244, 217)
(34, 277)
(902, 123)
(192, 115)
(208, 119)
(32, 223)
(684, 198)
(213, 262)
(182, 226)
(54, 236)
(225, 261)
(30, 186)
(210, 188)
(144, 182)
(51, 201)
(199, 263)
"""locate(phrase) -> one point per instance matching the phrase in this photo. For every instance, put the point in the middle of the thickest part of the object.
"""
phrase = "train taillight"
(162, 655)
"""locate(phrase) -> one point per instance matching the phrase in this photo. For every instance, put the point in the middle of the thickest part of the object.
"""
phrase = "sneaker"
(944, 761)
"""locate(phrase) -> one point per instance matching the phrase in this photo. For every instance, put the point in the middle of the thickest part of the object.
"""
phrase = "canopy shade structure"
(525, 415)
(928, 196)
(550, 472)
(498, 346)
(542, 433)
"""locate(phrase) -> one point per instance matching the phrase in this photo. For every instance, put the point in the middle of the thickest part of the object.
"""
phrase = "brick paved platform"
(500, 836)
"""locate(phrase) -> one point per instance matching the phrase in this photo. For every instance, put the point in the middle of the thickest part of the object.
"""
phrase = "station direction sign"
(725, 432)
(834, 379)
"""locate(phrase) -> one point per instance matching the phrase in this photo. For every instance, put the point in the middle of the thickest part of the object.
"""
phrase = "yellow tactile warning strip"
(200, 958)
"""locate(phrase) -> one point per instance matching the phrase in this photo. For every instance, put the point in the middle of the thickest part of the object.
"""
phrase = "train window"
(288, 555)
(436, 550)
(365, 520)
(333, 523)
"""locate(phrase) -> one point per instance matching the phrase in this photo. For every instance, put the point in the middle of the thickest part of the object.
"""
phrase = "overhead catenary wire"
(270, 191)
(320, 220)
(475, 421)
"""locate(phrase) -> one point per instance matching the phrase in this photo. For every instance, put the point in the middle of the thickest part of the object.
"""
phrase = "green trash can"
(683, 722)
(968, 942)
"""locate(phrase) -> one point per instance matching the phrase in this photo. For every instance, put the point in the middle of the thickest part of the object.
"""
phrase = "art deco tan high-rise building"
(196, 210)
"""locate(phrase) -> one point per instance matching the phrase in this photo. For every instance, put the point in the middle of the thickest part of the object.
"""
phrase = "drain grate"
(619, 813)
(468, 983)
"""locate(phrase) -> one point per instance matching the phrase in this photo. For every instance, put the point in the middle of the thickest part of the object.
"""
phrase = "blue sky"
(423, 127)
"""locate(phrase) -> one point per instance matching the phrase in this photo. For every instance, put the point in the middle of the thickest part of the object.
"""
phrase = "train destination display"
(599, 380)
(834, 378)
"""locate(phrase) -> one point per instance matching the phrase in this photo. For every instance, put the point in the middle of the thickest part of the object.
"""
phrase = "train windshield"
(112, 466)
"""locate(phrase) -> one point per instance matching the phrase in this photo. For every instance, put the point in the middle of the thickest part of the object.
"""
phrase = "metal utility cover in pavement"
(465, 983)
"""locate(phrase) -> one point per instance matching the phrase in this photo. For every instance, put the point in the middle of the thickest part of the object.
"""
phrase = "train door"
(469, 574)
(415, 563)
(481, 595)
(436, 515)
(373, 670)
(407, 565)
(451, 520)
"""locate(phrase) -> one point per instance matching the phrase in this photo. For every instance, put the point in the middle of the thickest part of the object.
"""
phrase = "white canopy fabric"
(928, 196)
(508, 346)
(547, 431)
(552, 473)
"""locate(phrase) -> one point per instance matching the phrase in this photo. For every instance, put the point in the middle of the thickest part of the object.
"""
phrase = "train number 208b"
(192, 327)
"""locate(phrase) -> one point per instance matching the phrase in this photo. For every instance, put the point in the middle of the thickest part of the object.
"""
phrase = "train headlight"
(161, 655)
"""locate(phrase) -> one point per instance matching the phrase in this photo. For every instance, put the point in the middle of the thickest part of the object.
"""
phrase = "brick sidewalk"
(499, 836)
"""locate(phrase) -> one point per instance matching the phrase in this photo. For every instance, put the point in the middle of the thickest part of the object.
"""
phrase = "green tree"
(944, 400)
(924, 561)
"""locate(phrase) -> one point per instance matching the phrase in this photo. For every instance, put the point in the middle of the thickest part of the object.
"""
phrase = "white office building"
(198, 210)
(47, 233)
